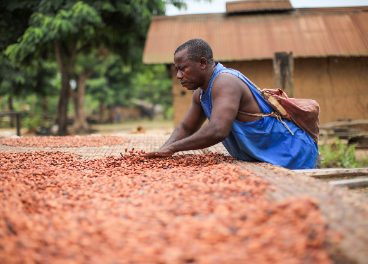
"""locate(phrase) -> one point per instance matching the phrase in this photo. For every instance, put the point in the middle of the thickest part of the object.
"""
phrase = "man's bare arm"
(226, 97)
(192, 121)
(179, 133)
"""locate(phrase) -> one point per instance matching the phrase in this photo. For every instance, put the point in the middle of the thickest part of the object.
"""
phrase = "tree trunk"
(80, 124)
(73, 96)
(63, 103)
(10, 106)
(283, 69)
(65, 68)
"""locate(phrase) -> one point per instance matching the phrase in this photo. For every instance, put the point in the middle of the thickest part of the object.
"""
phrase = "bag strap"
(272, 114)
(270, 99)
(275, 105)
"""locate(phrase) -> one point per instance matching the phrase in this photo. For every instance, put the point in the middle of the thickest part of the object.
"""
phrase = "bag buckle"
(282, 122)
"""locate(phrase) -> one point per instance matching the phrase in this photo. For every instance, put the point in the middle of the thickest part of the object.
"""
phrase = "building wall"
(259, 72)
(339, 85)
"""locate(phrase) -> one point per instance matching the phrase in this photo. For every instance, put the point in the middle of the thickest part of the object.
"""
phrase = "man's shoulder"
(226, 75)
(229, 81)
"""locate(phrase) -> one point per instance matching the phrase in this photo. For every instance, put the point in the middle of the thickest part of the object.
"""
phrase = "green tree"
(14, 16)
(101, 91)
(43, 77)
(62, 29)
(11, 79)
(22, 81)
(58, 34)
(86, 65)
(153, 84)
(119, 80)
(118, 84)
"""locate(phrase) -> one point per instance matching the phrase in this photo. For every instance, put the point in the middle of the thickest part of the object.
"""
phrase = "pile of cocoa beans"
(64, 142)
(58, 208)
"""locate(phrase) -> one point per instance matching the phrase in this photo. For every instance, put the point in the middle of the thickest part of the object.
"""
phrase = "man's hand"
(162, 152)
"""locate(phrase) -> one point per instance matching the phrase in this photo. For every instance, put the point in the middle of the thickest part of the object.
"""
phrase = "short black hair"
(197, 48)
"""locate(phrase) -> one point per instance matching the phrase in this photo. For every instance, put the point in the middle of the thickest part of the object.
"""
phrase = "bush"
(340, 155)
(32, 121)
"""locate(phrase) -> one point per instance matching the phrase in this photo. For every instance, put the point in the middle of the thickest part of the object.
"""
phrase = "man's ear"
(203, 63)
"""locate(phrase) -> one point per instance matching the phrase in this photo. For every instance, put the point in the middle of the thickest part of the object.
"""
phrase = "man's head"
(194, 63)
(197, 48)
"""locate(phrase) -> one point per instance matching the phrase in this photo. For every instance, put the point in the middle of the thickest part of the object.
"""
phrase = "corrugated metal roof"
(309, 33)
(335, 9)
(257, 6)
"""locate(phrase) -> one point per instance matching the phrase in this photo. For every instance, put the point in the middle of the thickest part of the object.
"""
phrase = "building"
(329, 46)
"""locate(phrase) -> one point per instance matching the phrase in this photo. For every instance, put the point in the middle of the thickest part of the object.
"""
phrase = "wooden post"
(12, 114)
(283, 66)
(18, 124)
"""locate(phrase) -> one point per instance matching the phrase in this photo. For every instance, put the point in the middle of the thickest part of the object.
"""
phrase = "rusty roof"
(257, 6)
(307, 33)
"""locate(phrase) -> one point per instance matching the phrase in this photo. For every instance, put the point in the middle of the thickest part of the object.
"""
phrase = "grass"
(340, 155)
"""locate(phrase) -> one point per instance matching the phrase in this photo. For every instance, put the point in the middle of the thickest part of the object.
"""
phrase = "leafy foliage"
(118, 83)
(62, 29)
(14, 16)
(32, 122)
(120, 25)
(66, 25)
(25, 80)
(18, 80)
(153, 84)
(108, 79)
(340, 155)
(69, 32)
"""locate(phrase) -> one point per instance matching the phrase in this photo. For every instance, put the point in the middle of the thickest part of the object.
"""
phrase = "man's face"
(188, 71)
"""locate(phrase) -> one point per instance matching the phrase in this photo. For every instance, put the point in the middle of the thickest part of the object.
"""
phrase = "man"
(226, 98)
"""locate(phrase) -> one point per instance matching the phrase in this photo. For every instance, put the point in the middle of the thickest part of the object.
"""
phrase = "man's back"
(264, 139)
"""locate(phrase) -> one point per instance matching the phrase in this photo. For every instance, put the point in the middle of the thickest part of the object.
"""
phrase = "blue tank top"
(265, 139)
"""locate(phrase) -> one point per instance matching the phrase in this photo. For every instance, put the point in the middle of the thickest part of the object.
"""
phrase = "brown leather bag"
(302, 112)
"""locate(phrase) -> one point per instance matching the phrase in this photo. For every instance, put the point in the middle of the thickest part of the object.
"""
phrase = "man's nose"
(179, 75)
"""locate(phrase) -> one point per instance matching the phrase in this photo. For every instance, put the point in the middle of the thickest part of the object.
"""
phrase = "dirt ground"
(150, 126)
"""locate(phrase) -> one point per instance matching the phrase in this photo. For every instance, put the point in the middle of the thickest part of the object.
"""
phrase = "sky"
(219, 6)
